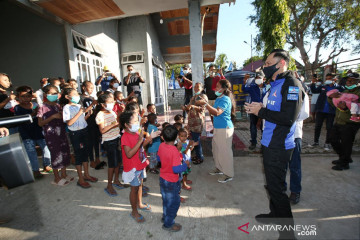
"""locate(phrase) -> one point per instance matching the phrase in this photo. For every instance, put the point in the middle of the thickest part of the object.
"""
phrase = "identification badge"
(292, 97)
(293, 89)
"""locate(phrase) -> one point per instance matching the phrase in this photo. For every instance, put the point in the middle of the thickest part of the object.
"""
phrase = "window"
(97, 66)
(157, 73)
(82, 42)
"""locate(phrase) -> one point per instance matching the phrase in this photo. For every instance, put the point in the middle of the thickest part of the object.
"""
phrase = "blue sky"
(234, 28)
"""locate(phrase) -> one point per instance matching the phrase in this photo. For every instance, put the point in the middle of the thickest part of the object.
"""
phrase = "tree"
(253, 59)
(329, 23)
(170, 68)
(221, 61)
(272, 19)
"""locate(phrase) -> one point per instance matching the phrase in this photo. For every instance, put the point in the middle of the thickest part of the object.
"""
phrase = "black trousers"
(342, 139)
(319, 119)
(80, 142)
(253, 130)
(94, 142)
(276, 162)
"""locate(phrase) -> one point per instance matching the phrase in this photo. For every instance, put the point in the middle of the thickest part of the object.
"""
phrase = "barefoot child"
(185, 147)
(74, 117)
(31, 133)
(171, 167)
(109, 128)
(50, 119)
(135, 161)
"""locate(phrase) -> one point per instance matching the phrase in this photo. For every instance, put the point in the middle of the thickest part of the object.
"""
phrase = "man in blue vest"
(282, 109)
(105, 78)
(256, 89)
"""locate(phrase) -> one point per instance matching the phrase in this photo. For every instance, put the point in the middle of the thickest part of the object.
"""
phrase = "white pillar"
(196, 41)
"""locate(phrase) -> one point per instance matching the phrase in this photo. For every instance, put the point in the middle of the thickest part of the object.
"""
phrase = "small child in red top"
(134, 161)
(120, 102)
(170, 185)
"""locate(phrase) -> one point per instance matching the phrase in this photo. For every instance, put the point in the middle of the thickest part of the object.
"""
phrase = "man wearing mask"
(132, 82)
(256, 89)
(343, 133)
(210, 85)
(314, 96)
(186, 82)
(105, 78)
(323, 109)
(284, 102)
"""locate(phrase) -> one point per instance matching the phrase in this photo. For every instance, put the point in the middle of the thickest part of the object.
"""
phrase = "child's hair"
(99, 93)
(132, 98)
(169, 133)
(24, 89)
(177, 125)
(65, 85)
(83, 86)
(149, 105)
(112, 81)
(102, 100)
(47, 88)
(151, 117)
(116, 94)
(132, 106)
(183, 130)
(165, 124)
(71, 80)
(226, 85)
(125, 118)
(178, 117)
(63, 100)
(52, 80)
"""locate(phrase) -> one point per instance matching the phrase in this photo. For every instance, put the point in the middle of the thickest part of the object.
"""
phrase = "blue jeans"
(295, 168)
(29, 145)
(170, 192)
(198, 149)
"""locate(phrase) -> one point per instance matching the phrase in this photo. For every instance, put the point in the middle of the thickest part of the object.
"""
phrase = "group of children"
(126, 134)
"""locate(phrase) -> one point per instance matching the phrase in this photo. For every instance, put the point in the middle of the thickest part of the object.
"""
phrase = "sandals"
(182, 200)
(91, 179)
(118, 186)
(197, 161)
(189, 182)
(109, 193)
(83, 185)
(154, 171)
(147, 208)
(188, 188)
(140, 219)
(174, 228)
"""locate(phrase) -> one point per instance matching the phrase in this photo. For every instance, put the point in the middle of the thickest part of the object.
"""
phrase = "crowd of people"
(72, 127)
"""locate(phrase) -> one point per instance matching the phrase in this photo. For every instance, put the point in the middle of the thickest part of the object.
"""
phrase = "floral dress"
(196, 119)
(55, 136)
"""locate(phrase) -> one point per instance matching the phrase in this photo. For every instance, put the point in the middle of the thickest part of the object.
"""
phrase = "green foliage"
(170, 68)
(254, 58)
(292, 64)
(272, 19)
(221, 61)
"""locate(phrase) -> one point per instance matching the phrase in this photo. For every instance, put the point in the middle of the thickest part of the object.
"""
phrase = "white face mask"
(258, 81)
(109, 106)
(186, 71)
(134, 128)
(132, 72)
(115, 85)
(328, 82)
(212, 74)
(318, 83)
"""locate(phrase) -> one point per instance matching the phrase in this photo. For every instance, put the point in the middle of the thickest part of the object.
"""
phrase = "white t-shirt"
(69, 111)
(108, 118)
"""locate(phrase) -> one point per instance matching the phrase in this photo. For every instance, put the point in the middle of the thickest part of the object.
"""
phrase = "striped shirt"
(69, 112)
(108, 118)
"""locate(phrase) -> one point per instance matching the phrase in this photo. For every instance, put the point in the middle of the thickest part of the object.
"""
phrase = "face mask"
(116, 85)
(217, 93)
(186, 71)
(75, 99)
(197, 93)
(328, 82)
(318, 83)
(109, 106)
(132, 72)
(351, 87)
(58, 87)
(212, 74)
(134, 128)
(269, 71)
(52, 98)
(258, 81)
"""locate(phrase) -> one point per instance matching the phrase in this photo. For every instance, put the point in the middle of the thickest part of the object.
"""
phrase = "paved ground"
(330, 200)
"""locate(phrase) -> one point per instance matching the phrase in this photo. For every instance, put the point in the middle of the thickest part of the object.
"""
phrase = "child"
(185, 147)
(31, 133)
(347, 101)
(74, 117)
(154, 146)
(135, 161)
(50, 119)
(151, 108)
(73, 83)
(109, 128)
(87, 89)
(179, 119)
(171, 167)
(119, 103)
